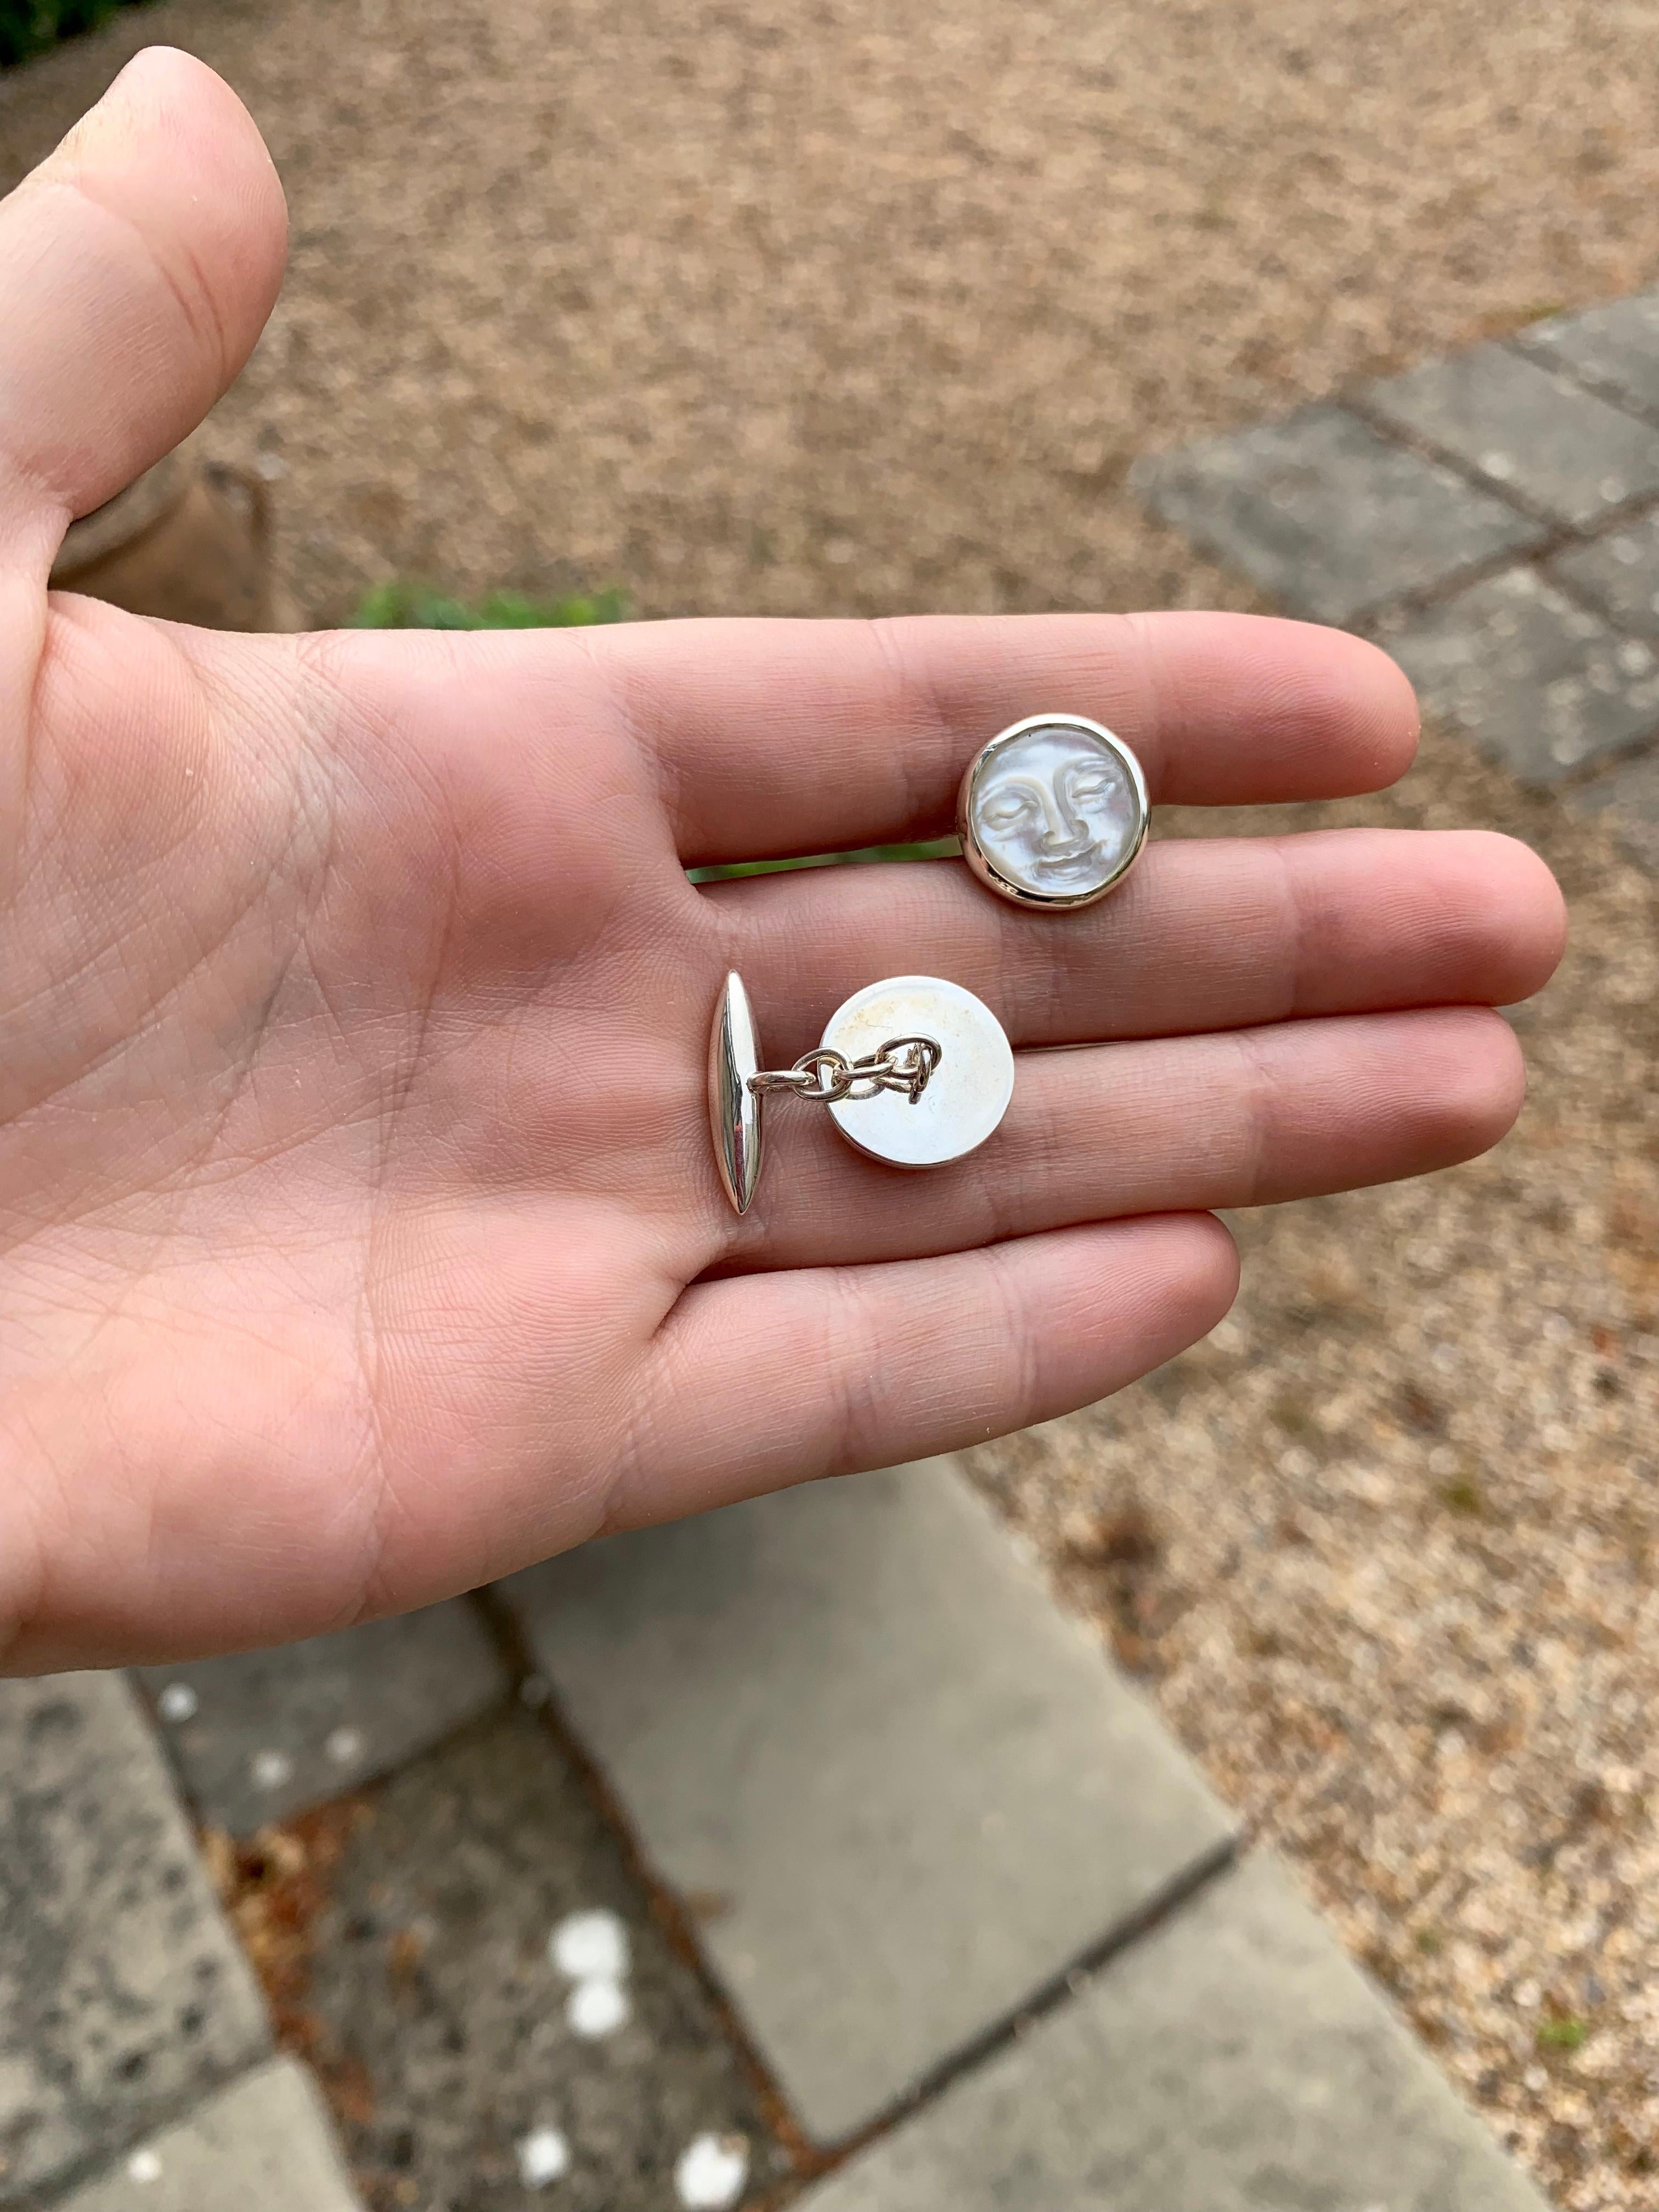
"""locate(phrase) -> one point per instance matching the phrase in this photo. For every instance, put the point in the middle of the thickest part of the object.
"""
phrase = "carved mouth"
(1069, 864)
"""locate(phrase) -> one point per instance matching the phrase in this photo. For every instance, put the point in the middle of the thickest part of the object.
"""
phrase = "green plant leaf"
(407, 606)
(28, 28)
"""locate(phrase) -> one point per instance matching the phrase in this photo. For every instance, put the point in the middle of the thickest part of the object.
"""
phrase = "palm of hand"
(348, 1087)
(361, 1236)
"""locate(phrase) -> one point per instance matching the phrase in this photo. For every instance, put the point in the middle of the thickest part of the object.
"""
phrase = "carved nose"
(1064, 833)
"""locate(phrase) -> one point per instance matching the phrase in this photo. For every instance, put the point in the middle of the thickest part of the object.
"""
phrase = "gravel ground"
(1386, 1549)
(851, 306)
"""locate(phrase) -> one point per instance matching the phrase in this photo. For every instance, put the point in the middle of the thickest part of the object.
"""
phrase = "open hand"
(359, 1238)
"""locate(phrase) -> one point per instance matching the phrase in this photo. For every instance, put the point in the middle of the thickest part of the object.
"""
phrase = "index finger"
(782, 738)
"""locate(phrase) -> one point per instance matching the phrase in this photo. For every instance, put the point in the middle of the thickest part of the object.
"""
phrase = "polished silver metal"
(919, 1089)
(969, 1088)
(827, 1077)
(1053, 812)
(734, 1105)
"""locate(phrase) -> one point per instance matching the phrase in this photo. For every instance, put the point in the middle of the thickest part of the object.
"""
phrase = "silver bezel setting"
(986, 868)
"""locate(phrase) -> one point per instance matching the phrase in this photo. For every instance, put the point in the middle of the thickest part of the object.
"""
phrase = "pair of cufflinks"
(914, 1070)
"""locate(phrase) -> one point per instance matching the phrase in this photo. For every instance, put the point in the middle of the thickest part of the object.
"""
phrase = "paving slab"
(1234, 2060)
(1619, 574)
(263, 1734)
(901, 1790)
(1614, 348)
(1328, 516)
(1628, 796)
(436, 1999)
(263, 2145)
(1541, 684)
(122, 1991)
(1527, 429)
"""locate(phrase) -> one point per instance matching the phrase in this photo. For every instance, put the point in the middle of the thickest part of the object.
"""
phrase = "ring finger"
(1245, 1118)
(1206, 934)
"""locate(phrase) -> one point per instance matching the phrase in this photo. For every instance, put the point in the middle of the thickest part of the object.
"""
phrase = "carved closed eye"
(1010, 804)
(1081, 783)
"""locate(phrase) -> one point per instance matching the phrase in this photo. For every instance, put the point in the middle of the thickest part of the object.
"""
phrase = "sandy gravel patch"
(1386, 1549)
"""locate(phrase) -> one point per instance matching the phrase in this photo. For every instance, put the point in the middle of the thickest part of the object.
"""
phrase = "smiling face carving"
(1056, 810)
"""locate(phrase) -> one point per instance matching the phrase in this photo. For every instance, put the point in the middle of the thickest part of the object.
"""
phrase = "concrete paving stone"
(434, 2000)
(1629, 798)
(908, 1791)
(1325, 516)
(1232, 2061)
(1527, 429)
(1619, 574)
(122, 1991)
(263, 2145)
(1614, 348)
(1538, 683)
(263, 1734)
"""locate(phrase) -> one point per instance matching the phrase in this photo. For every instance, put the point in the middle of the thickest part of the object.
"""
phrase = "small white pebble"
(597, 2007)
(711, 2172)
(345, 1745)
(544, 2156)
(177, 1702)
(271, 1769)
(590, 1945)
(143, 2166)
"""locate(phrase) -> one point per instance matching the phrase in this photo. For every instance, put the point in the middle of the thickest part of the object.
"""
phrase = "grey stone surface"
(1525, 427)
(1615, 348)
(1539, 683)
(261, 2145)
(1629, 798)
(433, 1991)
(1619, 574)
(1328, 516)
(909, 1791)
(270, 1733)
(1233, 2061)
(122, 1992)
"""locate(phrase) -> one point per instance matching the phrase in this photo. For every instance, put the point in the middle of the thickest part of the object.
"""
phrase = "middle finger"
(1206, 934)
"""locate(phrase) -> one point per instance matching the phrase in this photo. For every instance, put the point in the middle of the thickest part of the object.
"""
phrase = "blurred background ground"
(842, 307)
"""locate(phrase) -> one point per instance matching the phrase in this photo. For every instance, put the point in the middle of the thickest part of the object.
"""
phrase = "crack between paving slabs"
(813, 2161)
(667, 1908)
(1371, 621)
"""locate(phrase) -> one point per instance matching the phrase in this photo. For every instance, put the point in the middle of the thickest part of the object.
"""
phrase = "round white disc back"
(968, 1092)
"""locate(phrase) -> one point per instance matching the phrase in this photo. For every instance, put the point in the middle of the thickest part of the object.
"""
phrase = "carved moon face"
(1052, 811)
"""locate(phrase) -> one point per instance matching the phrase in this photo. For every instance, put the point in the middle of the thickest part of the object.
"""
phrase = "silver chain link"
(826, 1077)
